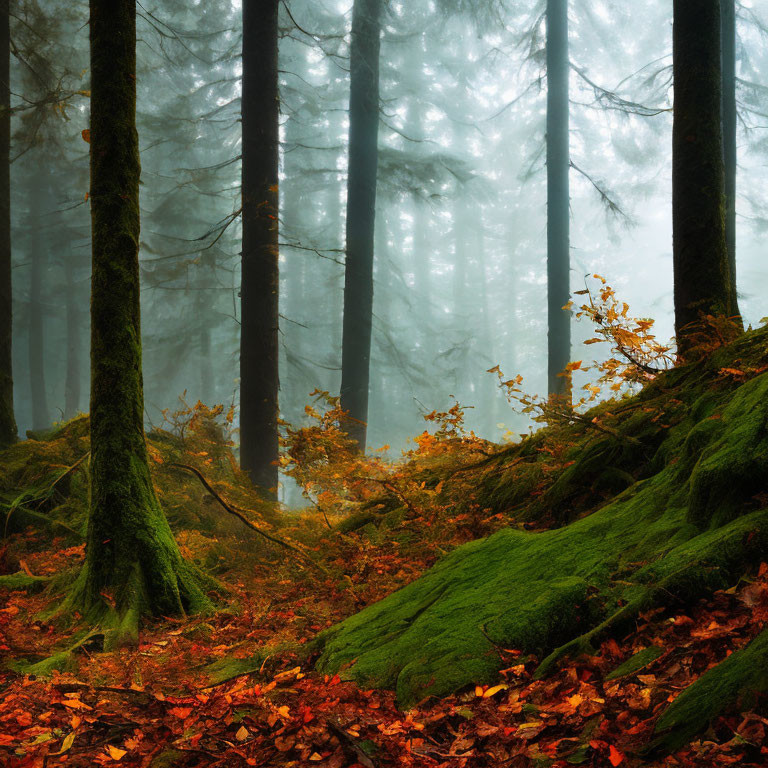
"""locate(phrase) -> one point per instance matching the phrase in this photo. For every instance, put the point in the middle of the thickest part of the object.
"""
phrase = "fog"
(460, 274)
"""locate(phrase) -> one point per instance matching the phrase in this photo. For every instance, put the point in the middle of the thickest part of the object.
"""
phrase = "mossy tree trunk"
(361, 214)
(260, 283)
(558, 197)
(730, 122)
(702, 280)
(7, 420)
(132, 564)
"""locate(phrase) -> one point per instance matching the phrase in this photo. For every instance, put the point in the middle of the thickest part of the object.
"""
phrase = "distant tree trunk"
(72, 380)
(380, 390)
(488, 396)
(334, 286)
(131, 555)
(558, 196)
(207, 388)
(295, 278)
(461, 249)
(7, 420)
(422, 247)
(361, 214)
(41, 418)
(730, 154)
(259, 351)
(702, 283)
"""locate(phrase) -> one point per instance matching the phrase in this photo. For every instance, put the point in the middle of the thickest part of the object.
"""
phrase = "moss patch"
(736, 680)
(635, 663)
(557, 591)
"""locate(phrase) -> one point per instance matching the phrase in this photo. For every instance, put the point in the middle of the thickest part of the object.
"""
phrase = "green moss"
(734, 458)
(21, 581)
(735, 680)
(558, 591)
(167, 758)
(637, 662)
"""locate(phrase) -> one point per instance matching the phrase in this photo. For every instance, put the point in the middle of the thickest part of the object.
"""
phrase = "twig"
(351, 744)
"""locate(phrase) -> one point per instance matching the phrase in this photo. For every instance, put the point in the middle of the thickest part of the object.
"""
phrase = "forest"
(383, 383)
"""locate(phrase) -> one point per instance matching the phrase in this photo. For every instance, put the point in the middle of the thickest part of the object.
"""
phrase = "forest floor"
(239, 687)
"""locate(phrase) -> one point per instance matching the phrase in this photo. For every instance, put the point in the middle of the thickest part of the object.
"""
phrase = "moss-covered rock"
(736, 680)
(691, 526)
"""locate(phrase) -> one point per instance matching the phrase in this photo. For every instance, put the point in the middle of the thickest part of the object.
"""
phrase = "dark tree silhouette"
(260, 276)
(730, 122)
(361, 214)
(7, 421)
(701, 272)
(558, 196)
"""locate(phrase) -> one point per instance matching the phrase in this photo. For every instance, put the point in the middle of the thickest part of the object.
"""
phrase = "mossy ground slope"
(692, 524)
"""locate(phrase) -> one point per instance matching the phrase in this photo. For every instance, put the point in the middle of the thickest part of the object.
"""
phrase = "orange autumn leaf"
(115, 753)
(615, 756)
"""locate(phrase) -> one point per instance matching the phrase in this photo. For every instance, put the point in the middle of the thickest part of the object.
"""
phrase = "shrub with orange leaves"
(637, 357)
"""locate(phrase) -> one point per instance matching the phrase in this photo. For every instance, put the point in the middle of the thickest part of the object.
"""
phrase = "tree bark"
(702, 281)
(72, 380)
(132, 563)
(259, 377)
(41, 418)
(558, 197)
(361, 214)
(7, 420)
(730, 120)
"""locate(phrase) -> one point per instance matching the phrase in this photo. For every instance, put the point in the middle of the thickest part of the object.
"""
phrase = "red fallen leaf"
(181, 712)
(86, 134)
(616, 757)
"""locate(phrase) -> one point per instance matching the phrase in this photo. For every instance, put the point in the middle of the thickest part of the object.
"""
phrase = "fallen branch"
(232, 511)
(44, 496)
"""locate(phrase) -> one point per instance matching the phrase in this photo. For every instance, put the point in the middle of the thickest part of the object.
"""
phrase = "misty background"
(460, 261)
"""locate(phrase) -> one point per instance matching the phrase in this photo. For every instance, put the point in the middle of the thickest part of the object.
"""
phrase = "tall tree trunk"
(259, 377)
(361, 214)
(36, 339)
(131, 555)
(730, 154)
(7, 420)
(702, 283)
(72, 380)
(558, 197)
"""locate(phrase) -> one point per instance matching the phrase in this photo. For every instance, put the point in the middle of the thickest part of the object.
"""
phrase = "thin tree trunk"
(422, 247)
(207, 393)
(730, 154)
(488, 395)
(7, 420)
(558, 196)
(461, 247)
(702, 284)
(72, 380)
(259, 377)
(335, 281)
(132, 563)
(36, 339)
(361, 214)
